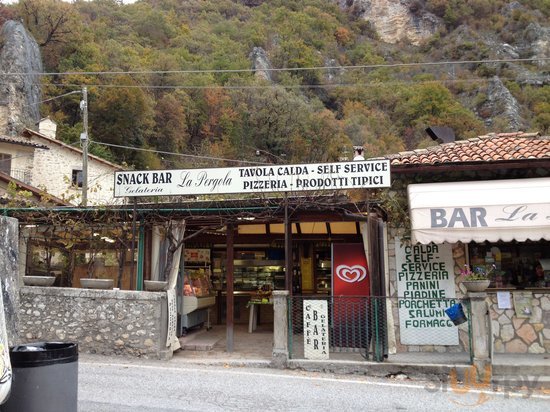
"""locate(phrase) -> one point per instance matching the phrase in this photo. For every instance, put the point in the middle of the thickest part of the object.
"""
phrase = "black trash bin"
(45, 378)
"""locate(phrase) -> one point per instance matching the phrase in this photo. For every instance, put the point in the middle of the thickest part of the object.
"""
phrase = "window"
(77, 178)
(518, 264)
(5, 163)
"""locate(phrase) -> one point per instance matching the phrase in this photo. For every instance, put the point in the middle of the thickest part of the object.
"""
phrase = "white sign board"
(316, 338)
(425, 283)
(260, 179)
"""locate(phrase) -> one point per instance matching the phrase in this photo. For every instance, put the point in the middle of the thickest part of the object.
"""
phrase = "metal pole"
(229, 267)
(141, 257)
(133, 245)
(288, 249)
(84, 143)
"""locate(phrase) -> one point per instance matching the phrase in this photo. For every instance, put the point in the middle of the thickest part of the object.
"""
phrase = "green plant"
(478, 272)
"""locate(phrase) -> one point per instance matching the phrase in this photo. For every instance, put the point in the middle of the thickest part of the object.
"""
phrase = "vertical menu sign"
(426, 287)
(316, 329)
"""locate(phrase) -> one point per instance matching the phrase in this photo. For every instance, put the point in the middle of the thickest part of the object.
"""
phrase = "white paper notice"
(504, 300)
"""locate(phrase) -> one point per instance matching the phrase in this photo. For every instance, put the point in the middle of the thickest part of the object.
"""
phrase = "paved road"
(117, 385)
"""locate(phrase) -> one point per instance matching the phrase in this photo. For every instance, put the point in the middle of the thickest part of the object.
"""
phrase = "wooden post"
(229, 280)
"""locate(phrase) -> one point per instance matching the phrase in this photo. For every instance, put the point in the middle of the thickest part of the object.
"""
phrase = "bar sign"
(316, 338)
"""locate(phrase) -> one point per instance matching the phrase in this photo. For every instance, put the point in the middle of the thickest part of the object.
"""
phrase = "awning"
(480, 211)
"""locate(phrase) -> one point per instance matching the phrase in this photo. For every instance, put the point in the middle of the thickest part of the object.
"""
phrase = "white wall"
(53, 169)
(22, 157)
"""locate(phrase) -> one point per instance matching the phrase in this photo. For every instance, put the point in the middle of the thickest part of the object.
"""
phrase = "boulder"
(20, 71)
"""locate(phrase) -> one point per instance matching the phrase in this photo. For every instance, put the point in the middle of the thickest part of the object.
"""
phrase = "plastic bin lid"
(43, 353)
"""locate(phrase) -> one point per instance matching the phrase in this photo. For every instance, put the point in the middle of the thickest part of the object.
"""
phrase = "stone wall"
(513, 334)
(53, 170)
(9, 259)
(107, 322)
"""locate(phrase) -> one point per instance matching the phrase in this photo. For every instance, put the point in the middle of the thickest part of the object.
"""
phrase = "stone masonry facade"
(510, 333)
(513, 334)
(53, 168)
(107, 322)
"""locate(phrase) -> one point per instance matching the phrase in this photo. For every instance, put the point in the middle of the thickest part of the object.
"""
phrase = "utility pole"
(84, 141)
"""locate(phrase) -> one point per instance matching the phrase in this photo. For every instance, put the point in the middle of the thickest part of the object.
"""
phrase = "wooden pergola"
(219, 221)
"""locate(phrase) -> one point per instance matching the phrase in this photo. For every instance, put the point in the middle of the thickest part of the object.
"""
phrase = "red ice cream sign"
(350, 275)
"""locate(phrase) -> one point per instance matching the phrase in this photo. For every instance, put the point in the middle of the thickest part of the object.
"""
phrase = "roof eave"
(469, 166)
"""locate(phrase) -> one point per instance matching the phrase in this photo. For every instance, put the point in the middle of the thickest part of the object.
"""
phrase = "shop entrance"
(259, 267)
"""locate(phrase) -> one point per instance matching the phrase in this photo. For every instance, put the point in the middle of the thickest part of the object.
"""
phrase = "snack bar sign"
(260, 179)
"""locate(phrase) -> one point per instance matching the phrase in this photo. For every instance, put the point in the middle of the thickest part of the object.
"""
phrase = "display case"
(252, 275)
(198, 295)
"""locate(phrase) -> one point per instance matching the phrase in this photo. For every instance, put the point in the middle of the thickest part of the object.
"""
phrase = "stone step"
(530, 382)
(511, 371)
(199, 341)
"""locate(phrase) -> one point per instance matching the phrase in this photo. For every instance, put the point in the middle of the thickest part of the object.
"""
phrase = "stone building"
(38, 159)
(505, 180)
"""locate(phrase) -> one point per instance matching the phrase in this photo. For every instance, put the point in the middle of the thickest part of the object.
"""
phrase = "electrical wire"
(282, 69)
(179, 154)
(296, 86)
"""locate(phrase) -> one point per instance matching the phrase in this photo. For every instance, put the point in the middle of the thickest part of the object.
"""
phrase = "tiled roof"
(487, 148)
(39, 193)
(29, 132)
(14, 140)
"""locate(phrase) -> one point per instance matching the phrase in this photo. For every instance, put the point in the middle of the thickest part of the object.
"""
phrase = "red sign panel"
(350, 272)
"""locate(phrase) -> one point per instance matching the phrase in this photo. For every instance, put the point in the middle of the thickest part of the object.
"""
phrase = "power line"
(292, 86)
(179, 154)
(282, 69)
(273, 85)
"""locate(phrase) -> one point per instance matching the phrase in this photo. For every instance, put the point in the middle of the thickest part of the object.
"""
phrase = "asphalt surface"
(117, 384)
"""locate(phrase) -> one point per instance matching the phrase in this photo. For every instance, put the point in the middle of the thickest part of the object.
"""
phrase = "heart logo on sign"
(351, 274)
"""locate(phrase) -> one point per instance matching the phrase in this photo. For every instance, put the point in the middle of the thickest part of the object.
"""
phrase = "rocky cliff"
(20, 68)
(395, 21)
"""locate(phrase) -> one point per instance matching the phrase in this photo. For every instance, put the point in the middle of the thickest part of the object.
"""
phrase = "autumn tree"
(370, 128)
(53, 23)
(123, 116)
(432, 104)
(273, 118)
(170, 130)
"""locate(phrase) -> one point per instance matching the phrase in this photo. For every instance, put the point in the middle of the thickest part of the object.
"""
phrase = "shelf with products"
(196, 281)
(514, 265)
(253, 268)
(254, 274)
(218, 273)
(323, 267)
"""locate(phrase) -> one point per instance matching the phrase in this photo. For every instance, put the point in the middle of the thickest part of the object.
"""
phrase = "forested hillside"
(287, 80)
